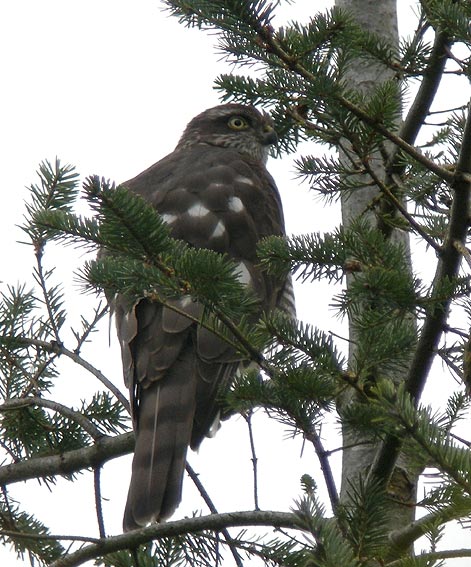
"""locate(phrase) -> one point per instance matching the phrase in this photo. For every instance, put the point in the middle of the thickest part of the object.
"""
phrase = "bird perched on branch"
(214, 192)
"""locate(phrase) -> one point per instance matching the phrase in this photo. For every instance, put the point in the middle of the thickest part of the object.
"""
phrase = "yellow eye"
(238, 123)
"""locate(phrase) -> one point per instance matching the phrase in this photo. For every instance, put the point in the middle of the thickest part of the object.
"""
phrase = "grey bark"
(380, 18)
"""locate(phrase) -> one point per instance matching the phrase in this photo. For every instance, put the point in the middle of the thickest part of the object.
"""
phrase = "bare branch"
(214, 522)
(70, 462)
(403, 538)
(99, 509)
(323, 457)
(248, 419)
(209, 503)
(447, 269)
(48, 537)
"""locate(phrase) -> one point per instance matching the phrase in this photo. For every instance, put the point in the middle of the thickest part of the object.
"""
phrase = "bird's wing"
(175, 369)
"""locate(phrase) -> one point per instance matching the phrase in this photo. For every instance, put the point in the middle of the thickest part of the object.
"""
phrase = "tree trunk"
(380, 18)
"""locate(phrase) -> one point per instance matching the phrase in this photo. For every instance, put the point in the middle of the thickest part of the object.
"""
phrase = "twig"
(463, 251)
(41, 279)
(405, 213)
(48, 537)
(453, 367)
(98, 507)
(33, 380)
(461, 440)
(11, 517)
(248, 419)
(209, 503)
(322, 455)
(454, 109)
(253, 353)
(400, 207)
(71, 414)
(99, 313)
(330, 452)
(61, 349)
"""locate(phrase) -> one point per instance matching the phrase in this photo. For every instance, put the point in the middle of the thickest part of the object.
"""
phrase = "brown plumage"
(214, 192)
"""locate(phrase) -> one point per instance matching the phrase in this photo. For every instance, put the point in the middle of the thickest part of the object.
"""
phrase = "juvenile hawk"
(214, 192)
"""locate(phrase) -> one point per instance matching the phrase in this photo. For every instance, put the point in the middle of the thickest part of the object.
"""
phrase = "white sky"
(109, 86)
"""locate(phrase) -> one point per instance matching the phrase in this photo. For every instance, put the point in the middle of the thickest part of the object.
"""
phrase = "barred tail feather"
(166, 410)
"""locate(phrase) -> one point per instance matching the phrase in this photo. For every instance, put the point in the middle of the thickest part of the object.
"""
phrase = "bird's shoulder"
(213, 197)
(196, 168)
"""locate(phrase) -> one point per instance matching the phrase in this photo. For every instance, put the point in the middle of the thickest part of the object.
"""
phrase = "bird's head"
(236, 126)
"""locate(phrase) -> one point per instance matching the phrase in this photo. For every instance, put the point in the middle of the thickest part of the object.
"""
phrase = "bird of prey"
(214, 192)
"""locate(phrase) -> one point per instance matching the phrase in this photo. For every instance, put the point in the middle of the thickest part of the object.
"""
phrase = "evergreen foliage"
(398, 321)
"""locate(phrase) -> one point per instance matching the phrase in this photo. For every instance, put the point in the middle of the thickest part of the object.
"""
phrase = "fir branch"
(433, 557)
(447, 269)
(402, 538)
(419, 157)
(362, 516)
(52, 297)
(60, 349)
(89, 326)
(423, 100)
(391, 197)
(397, 203)
(268, 36)
(125, 218)
(68, 228)
(273, 44)
(214, 522)
(432, 329)
(57, 191)
(243, 341)
(410, 127)
(77, 417)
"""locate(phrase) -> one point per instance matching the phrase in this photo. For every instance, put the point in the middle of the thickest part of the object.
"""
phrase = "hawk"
(214, 192)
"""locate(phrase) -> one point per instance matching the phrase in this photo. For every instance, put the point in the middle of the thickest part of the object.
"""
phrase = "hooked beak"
(269, 136)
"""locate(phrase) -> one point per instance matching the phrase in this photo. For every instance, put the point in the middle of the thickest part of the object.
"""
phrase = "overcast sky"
(108, 86)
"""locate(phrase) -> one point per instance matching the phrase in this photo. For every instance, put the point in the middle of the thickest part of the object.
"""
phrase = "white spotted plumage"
(198, 210)
(214, 192)
(235, 204)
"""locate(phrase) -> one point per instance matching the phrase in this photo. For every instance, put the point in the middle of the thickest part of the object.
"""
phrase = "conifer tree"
(400, 164)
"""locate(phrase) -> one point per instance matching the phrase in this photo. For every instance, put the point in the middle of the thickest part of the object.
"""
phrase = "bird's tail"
(163, 432)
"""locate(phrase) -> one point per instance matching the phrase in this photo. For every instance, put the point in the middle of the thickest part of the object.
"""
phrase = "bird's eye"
(238, 123)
